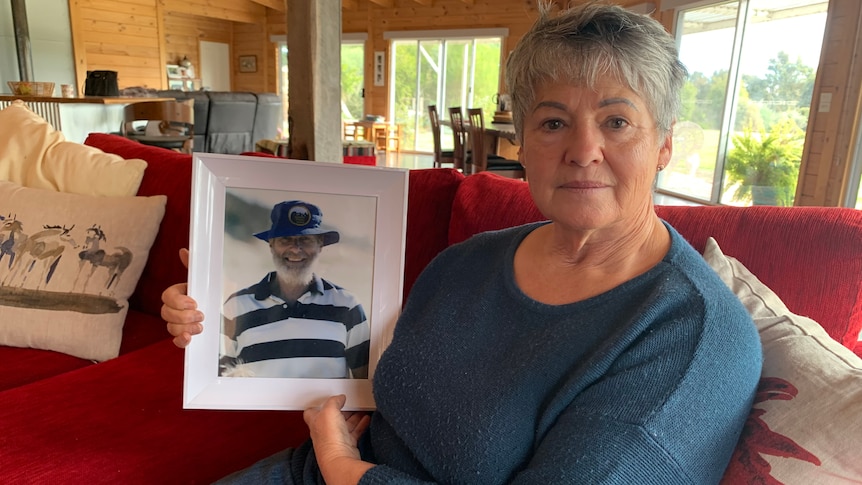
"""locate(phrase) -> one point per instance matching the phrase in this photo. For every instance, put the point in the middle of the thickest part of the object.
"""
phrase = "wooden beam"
(278, 5)
(384, 3)
(245, 12)
(349, 4)
(427, 3)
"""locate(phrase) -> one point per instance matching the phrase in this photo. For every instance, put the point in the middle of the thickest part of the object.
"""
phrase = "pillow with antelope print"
(806, 422)
(68, 264)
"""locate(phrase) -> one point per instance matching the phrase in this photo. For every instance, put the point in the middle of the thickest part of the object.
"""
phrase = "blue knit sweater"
(650, 382)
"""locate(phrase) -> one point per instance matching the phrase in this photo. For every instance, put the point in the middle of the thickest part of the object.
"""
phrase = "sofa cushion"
(230, 125)
(429, 207)
(33, 365)
(167, 173)
(805, 425)
(35, 155)
(68, 264)
(786, 249)
(487, 202)
(122, 421)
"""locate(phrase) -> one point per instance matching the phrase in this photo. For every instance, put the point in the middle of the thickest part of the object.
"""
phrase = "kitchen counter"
(124, 100)
(78, 117)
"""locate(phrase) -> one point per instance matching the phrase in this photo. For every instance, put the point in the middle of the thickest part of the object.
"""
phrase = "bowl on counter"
(31, 88)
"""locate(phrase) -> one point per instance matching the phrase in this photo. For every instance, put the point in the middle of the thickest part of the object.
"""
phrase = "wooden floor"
(405, 160)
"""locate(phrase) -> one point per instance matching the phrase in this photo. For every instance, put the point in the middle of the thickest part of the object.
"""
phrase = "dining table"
(500, 138)
(77, 117)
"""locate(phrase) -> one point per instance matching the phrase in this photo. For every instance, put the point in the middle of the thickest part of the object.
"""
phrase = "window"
(442, 68)
(352, 78)
(752, 65)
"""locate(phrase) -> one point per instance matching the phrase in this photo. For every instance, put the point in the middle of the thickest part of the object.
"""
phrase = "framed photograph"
(379, 67)
(298, 269)
(174, 71)
(247, 63)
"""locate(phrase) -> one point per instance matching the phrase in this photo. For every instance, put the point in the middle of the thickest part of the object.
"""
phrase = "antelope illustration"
(12, 237)
(115, 263)
(45, 248)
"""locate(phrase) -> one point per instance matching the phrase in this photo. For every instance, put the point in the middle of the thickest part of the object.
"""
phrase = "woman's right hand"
(180, 311)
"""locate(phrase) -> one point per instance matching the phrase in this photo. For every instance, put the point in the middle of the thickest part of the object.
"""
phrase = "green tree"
(352, 62)
(766, 162)
(789, 85)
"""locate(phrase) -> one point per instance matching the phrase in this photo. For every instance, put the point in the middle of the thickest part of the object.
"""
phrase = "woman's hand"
(334, 435)
(180, 311)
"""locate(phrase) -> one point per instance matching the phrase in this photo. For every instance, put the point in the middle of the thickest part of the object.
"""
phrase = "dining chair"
(364, 130)
(348, 131)
(392, 136)
(480, 160)
(167, 124)
(440, 156)
(460, 150)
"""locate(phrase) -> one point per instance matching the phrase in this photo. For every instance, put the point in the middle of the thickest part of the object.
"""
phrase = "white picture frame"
(174, 71)
(378, 194)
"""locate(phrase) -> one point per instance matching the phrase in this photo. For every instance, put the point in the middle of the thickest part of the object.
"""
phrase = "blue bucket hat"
(297, 218)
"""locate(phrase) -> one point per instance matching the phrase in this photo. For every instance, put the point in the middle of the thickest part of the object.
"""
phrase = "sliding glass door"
(352, 80)
(752, 65)
(445, 72)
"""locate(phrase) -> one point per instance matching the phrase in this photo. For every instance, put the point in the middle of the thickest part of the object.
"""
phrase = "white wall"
(50, 41)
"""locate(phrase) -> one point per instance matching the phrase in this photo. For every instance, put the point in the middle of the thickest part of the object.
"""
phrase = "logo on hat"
(299, 215)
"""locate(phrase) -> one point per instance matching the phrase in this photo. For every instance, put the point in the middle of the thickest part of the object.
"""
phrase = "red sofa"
(69, 421)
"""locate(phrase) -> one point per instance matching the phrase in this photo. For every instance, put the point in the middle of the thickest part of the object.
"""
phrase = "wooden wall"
(119, 35)
(137, 38)
(183, 33)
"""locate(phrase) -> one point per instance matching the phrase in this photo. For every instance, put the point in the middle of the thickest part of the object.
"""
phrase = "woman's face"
(591, 155)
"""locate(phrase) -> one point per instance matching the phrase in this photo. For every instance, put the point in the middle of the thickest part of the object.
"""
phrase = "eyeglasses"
(299, 241)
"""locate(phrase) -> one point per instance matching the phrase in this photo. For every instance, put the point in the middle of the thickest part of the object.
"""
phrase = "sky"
(707, 52)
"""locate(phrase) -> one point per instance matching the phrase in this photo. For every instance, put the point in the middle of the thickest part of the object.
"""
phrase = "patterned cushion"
(68, 264)
(805, 426)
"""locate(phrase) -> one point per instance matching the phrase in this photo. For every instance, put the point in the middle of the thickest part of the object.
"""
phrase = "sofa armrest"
(168, 173)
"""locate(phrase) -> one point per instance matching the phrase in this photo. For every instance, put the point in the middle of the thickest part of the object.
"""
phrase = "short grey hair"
(581, 43)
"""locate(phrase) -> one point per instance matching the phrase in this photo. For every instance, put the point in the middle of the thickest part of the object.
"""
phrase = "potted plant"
(765, 167)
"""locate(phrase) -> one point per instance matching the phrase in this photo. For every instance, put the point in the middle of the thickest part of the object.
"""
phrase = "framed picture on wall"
(247, 63)
(297, 267)
(174, 71)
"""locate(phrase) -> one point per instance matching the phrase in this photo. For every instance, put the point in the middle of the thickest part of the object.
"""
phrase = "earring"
(660, 168)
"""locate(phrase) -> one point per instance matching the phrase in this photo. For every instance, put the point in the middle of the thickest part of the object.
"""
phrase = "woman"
(595, 348)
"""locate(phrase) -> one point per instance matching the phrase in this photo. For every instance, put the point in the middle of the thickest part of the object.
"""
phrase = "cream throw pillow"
(806, 425)
(68, 264)
(34, 154)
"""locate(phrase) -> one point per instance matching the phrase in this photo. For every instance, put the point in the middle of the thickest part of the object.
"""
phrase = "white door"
(215, 66)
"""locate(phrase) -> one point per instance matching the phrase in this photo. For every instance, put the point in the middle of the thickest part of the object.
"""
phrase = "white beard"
(294, 277)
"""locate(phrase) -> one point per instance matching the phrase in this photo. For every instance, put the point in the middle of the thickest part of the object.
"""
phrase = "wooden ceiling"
(349, 4)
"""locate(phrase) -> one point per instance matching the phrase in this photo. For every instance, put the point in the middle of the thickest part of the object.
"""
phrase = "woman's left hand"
(334, 435)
